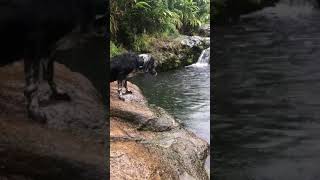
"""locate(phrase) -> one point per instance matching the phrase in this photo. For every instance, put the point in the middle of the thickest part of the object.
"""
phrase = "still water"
(266, 95)
(183, 93)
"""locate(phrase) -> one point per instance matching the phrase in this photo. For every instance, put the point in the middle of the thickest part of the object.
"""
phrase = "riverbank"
(174, 52)
(147, 143)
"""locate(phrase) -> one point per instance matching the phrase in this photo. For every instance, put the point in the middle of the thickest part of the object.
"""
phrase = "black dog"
(127, 65)
(30, 30)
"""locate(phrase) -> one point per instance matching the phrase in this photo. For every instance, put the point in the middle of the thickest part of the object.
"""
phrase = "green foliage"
(129, 19)
(142, 43)
(114, 50)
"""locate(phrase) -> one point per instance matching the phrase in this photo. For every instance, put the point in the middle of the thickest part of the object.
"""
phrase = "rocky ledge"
(69, 146)
(147, 143)
(175, 52)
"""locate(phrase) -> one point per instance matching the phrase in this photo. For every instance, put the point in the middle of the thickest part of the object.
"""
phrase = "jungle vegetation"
(134, 23)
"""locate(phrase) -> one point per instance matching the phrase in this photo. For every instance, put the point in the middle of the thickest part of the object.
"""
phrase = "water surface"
(266, 95)
(183, 93)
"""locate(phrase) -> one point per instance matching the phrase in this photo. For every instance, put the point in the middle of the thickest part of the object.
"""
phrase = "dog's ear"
(144, 62)
(151, 64)
(141, 62)
(153, 61)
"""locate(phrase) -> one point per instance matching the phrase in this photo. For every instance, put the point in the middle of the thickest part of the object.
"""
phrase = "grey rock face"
(205, 30)
(195, 41)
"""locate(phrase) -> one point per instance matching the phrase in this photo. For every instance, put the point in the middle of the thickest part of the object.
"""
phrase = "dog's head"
(149, 64)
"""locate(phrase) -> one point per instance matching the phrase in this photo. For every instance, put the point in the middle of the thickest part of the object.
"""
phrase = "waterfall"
(203, 59)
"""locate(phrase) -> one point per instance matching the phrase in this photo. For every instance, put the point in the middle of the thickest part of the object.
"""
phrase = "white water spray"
(203, 59)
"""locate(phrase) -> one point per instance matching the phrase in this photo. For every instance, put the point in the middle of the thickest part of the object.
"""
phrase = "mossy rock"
(171, 54)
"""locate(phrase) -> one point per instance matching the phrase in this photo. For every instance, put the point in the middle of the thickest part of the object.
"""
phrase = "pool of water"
(267, 101)
(183, 93)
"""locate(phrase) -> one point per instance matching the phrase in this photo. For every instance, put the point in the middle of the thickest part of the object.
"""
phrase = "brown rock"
(68, 146)
(149, 144)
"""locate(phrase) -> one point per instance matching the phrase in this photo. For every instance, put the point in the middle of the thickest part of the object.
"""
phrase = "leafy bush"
(142, 43)
(114, 50)
(131, 18)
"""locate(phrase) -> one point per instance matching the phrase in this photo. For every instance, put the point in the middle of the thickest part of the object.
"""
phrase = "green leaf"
(143, 5)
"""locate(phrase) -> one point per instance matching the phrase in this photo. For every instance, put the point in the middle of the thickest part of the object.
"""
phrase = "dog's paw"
(121, 98)
(60, 96)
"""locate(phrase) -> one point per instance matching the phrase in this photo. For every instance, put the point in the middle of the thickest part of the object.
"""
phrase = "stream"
(266, 95)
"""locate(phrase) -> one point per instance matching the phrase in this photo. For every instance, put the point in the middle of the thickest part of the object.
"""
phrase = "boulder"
(68, 146)
(174, 52)
(147, 143)
(195, 41)
(204, 30)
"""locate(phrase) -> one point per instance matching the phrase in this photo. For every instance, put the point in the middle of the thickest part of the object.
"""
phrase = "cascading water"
(203, 59)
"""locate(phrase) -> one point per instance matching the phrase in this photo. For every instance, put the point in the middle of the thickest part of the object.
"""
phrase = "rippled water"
(185, 94)
(267, 100)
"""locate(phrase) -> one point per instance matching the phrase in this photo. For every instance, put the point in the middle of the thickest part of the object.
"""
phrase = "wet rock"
(205, 30)
(147, 143)
(172, 53)
(195, 41)
(144, 118)
(68, 146)
(83, 113)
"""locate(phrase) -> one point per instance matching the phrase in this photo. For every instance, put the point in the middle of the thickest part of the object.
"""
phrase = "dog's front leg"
(120, 85)
(48, 75)
(31, 69)
(126, 87)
